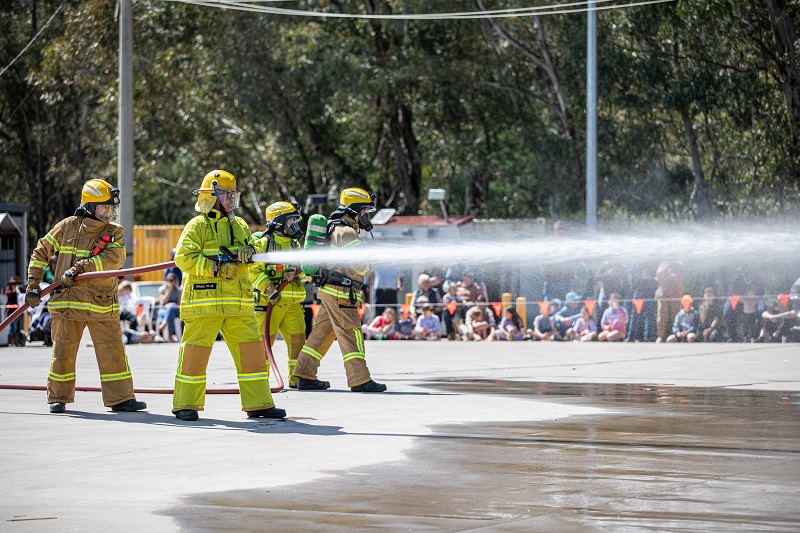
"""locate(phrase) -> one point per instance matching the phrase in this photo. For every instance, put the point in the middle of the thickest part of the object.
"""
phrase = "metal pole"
(125, 145)
(591, 117)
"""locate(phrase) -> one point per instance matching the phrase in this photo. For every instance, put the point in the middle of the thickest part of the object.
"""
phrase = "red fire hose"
(128, 272)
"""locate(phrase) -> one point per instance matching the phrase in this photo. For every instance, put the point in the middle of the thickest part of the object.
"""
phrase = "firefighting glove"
(245, 253)
(228, 270)
(275, 297)
(289, 273)
(67, 280)
(32, 294)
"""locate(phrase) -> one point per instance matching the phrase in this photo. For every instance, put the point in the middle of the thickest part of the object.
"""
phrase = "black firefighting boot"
(369, 386)
(312, 384)
(272, 412)
(190, 415)
(57, 407)
(129, 406)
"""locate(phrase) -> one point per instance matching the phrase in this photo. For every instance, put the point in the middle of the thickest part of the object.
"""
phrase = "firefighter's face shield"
(229, 200)
(107, 213)
(363, 218)
(292, 228)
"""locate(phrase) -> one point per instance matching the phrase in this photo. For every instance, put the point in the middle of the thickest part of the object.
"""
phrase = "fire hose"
(128, 272)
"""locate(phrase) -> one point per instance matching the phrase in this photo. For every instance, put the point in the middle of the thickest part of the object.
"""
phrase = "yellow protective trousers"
(337, 319)
(116, 382)
(288, 318)
(244, 342)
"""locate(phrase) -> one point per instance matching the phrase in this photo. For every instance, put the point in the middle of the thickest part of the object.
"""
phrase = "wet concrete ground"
(669, 458)
(606, 438)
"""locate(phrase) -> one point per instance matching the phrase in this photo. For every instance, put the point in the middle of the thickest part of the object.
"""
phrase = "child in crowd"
(685, 327)
(382, 326)
(544, 325)
(428, 325)
(585, 328)
(710, 317)
(479, 324)
(511, 327)
(614, 321)
(452, 320)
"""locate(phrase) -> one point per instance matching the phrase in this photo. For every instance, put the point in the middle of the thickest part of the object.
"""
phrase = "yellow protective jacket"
(345, 235)
(266, 277)
(205, 293)
(72, 240)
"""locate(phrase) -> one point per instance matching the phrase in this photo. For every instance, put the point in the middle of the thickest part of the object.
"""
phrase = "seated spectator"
(451, 322)
(585, 328)
(642, 326)
(469, 289)
(382, 326)
(684, 329)
(569, 313)
(544, 325)
(50, 270)
(173, 270)
(777, 322)
(614, 322)
(170, 299)
(710, 317)
(741, 321)
(41, 323)
(127, 307)
(131, 336)
(428, 325)
(511, 327)
(479, 323)
(425, 290)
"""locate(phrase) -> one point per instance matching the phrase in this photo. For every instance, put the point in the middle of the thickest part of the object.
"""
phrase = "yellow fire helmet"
(97, 192)
(285, 218)
(353, 200)
(217, 185)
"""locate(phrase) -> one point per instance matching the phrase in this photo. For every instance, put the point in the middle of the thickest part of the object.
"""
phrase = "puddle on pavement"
(667, 458)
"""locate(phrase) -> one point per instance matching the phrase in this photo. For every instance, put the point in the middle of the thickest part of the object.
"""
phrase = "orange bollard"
(506, 299)
(521, 305)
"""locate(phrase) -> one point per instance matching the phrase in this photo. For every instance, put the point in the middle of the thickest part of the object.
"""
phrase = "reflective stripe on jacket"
(266, 277)
(204, 293)
(73, 239)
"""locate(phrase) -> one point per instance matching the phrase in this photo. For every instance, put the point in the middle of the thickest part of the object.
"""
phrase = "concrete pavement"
(471, 436)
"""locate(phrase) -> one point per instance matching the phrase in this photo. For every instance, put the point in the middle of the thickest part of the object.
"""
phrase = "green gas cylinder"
(316, 236)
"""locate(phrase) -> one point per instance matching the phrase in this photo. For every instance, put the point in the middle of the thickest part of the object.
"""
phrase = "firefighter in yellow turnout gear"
(89, 241)
(283, 230)
(218, 296)
(340, 295)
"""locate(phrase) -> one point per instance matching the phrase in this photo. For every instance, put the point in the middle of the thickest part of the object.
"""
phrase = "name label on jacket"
(204, 286)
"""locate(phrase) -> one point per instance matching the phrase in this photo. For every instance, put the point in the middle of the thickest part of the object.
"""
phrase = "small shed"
(13, 241)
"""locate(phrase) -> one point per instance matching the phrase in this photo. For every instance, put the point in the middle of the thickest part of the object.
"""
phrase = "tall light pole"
(591, 117)
(125, 142)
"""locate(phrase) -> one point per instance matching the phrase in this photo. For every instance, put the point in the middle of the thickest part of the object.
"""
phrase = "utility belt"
(331, 277)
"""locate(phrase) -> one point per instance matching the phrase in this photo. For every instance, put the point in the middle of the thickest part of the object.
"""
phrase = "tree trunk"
(785, 41)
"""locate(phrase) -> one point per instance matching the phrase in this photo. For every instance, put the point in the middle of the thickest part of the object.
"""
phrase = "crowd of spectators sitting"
(645, 305)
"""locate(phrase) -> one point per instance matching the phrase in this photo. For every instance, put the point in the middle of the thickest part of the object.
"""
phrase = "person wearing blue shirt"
(428, 325)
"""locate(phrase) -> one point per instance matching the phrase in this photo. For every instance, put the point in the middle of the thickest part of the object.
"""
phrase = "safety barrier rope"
(129, 272)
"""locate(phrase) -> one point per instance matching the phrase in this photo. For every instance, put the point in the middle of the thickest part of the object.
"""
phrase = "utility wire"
(34, 39)
(500, 13)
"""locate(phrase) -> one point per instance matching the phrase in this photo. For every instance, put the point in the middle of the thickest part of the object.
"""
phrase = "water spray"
(734, 244)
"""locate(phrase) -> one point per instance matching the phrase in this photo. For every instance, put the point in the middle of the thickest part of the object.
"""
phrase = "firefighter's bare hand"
(68, 279)
(245, 253)
(228, 270)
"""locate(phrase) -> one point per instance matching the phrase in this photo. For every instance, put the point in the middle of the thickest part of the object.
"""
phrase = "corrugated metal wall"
(151, 245)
